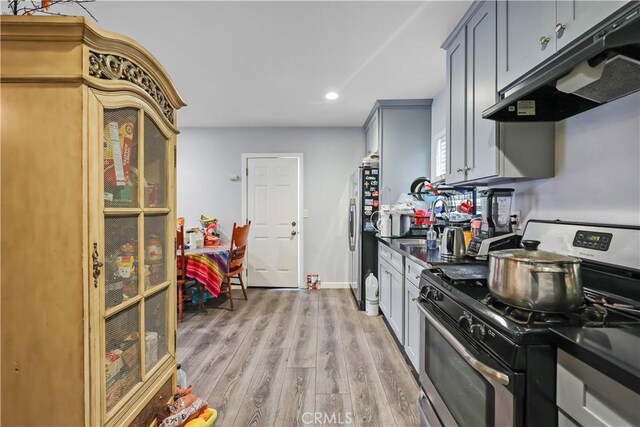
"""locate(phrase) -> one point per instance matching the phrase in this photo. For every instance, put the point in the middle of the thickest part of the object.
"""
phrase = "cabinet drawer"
(565, 421)
(395, 259)
(412, 271)
(591, 398)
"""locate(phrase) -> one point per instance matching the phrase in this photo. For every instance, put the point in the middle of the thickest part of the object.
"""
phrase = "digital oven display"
(592, 240)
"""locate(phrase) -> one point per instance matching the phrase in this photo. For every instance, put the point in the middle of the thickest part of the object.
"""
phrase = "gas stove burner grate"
(589, 314)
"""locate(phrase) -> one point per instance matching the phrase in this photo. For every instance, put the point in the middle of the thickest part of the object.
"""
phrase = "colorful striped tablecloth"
(207, 266)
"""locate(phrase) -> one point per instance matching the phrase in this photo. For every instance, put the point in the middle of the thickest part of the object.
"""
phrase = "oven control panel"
(592, 240)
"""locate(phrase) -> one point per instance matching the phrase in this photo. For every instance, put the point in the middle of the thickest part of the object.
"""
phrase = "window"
(439, 156)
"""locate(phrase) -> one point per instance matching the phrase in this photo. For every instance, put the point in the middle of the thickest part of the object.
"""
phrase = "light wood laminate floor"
(294, 357)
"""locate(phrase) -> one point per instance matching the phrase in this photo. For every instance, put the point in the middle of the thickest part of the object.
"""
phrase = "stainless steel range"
(484, 363)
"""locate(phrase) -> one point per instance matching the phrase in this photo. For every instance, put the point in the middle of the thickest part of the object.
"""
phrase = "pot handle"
(549, 270)
(531, 245)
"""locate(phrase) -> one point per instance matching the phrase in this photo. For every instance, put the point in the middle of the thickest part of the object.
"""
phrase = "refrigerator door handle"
(352, 218)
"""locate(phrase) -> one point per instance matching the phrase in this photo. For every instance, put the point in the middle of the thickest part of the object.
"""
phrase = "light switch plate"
(305, 213)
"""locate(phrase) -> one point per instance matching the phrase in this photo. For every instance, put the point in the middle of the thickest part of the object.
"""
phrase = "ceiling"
(248, 64)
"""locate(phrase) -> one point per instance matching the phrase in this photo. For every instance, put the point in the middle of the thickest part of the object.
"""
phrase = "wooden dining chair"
(235, 263)
(181, 268)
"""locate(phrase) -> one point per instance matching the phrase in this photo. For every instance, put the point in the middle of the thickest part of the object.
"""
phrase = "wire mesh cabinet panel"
(135, 209)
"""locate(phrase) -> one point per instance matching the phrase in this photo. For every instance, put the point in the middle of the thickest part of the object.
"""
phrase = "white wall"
(597, 175)
(207, 157)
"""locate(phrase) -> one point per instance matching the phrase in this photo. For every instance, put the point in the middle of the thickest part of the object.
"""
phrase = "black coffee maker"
(495, 231)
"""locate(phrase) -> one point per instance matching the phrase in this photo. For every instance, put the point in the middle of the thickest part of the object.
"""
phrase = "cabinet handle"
(96, 264)
(560, 27)
(544, 40)
(467, 168)
(459, 170)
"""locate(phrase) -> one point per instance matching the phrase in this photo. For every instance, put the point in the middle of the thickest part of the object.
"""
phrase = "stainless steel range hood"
(596, 69)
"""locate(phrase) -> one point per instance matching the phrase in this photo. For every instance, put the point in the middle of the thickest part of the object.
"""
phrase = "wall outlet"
(515, 217)
(305, 213)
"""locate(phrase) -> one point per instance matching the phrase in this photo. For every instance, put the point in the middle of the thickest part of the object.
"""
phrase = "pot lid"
(531, 254)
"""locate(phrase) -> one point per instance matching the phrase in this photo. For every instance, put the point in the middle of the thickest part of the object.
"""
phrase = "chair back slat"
(238, 247)
(180, 247)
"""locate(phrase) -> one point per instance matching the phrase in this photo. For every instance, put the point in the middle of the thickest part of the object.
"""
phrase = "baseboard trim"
(335, 285)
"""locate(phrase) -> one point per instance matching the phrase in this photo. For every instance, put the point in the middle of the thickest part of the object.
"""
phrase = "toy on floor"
(313, 282)
(187, 410)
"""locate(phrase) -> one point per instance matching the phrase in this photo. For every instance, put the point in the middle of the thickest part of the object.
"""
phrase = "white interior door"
(272, 207)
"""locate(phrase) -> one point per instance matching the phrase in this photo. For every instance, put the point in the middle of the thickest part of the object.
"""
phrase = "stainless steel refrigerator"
(364, 201)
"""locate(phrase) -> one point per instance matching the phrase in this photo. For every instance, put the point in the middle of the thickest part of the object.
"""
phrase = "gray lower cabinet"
(396, 306)
(384, 286)
(411, 323)
(587, 397)
(481, 150)
(400, 130)
(530, 32)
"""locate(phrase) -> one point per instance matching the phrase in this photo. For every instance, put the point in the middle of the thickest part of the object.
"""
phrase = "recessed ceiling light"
(332, 96)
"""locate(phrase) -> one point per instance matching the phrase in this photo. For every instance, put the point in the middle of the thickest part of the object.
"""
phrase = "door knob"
(293, 224)
(544, 40)
(459, 170)
(293, 233)
(560, 28)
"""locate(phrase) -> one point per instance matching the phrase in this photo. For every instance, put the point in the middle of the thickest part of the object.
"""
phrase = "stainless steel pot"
(535, 280)
(452, 244)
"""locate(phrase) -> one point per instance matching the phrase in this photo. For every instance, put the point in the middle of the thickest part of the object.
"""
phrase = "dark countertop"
(420, 254)
(613, 351)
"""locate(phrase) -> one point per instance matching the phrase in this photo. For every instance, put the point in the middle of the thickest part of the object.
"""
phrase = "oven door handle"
(484, 369)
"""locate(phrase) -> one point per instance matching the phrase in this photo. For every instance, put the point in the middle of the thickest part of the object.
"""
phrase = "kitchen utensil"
(466, 207)
(535, 280)
(420, 217)
(452, 244)
(400, 223)
(383, 224)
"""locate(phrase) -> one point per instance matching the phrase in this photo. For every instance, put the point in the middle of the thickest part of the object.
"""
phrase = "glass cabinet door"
(138, 250)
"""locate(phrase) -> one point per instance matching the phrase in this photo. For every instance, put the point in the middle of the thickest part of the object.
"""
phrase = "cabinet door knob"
(459, 170)
(544, 40)
(560, 27)
(467, 168)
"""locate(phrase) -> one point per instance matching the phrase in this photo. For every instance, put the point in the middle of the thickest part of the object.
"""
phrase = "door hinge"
(175, 156)
(246, 172)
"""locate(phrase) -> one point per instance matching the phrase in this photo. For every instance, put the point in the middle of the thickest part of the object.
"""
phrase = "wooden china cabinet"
(88, 299)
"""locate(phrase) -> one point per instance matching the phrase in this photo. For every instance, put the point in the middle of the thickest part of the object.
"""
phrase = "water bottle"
(431, 239)
(371, 287)
(181, 377)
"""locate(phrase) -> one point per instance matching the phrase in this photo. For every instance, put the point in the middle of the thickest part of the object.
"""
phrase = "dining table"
(207, 266)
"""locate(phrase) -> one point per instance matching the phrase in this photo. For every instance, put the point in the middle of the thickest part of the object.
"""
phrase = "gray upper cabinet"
(574, 17)
(480, 150)
(529, 32)
(525, 37)
(400, 130)
(456, 114)
(481, 147)
(372, 135)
